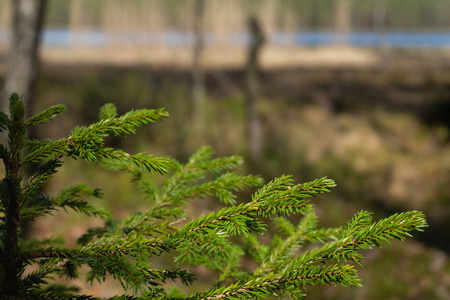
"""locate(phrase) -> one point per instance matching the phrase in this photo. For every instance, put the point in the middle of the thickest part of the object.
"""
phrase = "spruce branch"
(33, 144)
(123, 125)
(196, 169)
(274, 284)
(283, 251)
(50, 150)
(222, 187)
(37, 205)
(108, 111)
(39, 178)
(4, 121)
(396, 226)
(199, 250)
(87, 142)
(45, 116)
(104, 248)
(277, 197)
(70, 197)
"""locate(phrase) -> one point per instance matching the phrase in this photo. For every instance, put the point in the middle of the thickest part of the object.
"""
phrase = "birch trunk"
(22, 65)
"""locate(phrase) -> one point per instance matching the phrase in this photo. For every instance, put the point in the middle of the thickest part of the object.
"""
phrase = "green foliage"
(222, 241)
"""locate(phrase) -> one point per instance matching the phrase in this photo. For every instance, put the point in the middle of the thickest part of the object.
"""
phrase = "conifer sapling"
(127, 249)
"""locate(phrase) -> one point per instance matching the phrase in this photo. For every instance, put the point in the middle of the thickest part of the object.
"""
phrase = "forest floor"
(377, 124)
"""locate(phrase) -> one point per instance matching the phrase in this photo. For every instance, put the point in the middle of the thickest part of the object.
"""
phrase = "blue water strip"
(67, 38)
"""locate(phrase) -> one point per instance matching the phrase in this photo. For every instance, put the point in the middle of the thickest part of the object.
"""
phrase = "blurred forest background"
(358, 91)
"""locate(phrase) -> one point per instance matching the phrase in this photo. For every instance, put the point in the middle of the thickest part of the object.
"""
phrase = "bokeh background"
(356, 90)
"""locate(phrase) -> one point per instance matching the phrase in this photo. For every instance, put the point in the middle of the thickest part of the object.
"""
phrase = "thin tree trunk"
(254, 134)
(5, 15)
(379, 23)
(28, 17)
(76, 16)
(343, 18)
(198, 80)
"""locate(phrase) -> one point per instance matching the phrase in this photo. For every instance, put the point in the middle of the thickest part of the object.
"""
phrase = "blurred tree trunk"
(22, 65)
(198, 80)
(254, 134)
(76, 21)
(5, 15)
(379, 23)
(343, 21)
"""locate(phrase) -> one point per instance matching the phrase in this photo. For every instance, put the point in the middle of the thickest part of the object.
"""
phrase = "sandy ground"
(214, 57)
(271, 57)
(219, 57)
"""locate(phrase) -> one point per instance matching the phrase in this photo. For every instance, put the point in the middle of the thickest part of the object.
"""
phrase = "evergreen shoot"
(133, 250)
